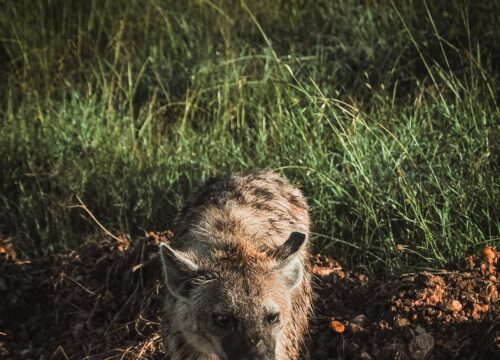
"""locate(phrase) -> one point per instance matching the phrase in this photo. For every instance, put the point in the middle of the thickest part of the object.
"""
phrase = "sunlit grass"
(387, 115)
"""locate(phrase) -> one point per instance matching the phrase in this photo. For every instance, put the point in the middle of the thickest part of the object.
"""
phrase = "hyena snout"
(251, 349)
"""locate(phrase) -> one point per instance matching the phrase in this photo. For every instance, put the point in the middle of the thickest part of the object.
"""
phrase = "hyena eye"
(223, 321)
(273, 318)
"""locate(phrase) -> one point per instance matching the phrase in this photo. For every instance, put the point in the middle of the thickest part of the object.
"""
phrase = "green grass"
(386, 114)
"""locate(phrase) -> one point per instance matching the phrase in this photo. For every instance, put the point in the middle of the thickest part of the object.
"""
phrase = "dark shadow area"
(98, 302)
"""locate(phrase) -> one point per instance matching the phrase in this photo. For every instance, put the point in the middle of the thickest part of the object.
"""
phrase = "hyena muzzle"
(237, 271)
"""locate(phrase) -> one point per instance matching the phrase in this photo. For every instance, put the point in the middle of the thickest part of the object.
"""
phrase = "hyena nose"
(259, 350)
(258, 344)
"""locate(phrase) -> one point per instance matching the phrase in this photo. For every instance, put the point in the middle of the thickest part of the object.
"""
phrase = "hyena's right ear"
(179, 269)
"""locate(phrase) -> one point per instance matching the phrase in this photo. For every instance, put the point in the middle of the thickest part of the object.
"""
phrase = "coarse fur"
(237, 271)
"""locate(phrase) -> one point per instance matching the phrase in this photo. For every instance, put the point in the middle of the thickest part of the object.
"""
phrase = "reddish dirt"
(102, 301)
(450, 314)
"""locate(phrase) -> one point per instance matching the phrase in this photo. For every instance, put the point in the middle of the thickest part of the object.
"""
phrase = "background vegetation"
(386, 113)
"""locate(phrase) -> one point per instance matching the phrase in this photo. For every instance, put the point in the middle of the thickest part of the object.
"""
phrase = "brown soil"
(103, 301)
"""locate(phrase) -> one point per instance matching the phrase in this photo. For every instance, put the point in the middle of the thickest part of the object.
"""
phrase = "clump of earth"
(103, 301)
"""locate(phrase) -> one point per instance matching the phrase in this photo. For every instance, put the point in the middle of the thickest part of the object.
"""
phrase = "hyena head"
(237, 303)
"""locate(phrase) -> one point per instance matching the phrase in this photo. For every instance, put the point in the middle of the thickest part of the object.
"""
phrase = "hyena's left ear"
(288, 260)
(179, 269)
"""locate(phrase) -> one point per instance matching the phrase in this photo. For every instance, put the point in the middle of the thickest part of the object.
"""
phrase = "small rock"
(489, 253)
(355, 328)
(454, 306)
(401, 322)
(421, 346)
(365, 356)
(337, 326)
(363, 278)
(359, 320)
(492, 292)
(433, 299)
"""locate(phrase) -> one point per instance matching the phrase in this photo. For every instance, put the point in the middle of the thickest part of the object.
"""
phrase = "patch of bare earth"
(103, 301)
(450, 314)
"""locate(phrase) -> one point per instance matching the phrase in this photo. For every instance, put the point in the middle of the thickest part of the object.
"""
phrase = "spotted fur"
(235, 245)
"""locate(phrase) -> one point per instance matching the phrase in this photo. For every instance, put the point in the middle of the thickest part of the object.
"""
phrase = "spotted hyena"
(237, 271)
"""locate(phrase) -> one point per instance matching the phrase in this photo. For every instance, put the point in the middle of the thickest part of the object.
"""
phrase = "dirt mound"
(99, 302)
(450, 314)
(103, 301)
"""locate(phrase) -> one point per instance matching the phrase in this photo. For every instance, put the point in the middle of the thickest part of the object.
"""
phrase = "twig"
(84, 207)
(61, 350)
(80, 285)
(117, 315)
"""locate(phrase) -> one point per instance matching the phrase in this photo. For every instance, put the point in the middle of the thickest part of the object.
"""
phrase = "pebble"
(354, 328)
(359, 320)
(454, 305)
(365, 356)
(337, 326)
(401, 322)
